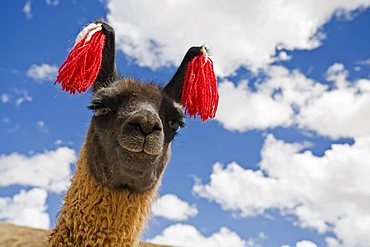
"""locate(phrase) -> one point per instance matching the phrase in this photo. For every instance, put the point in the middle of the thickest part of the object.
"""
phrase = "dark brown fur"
(119, 154)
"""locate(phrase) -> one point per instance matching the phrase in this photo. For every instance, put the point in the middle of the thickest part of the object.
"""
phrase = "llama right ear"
(175, 85)
(92, 60)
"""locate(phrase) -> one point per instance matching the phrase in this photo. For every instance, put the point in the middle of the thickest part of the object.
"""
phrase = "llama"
(124, 155)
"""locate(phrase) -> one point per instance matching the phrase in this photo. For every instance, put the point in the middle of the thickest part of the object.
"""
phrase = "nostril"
(136, 125)
(157, 127)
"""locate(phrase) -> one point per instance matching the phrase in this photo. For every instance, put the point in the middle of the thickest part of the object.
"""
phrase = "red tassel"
(82, 66)
(199, 94)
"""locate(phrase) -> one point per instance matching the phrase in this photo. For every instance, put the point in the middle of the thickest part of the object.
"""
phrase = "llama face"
(129, 139)
(134, 123)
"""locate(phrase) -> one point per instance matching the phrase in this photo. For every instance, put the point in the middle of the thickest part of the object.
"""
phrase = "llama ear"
(175, 85)
(195, 85)
(108, 70)
(92, 60)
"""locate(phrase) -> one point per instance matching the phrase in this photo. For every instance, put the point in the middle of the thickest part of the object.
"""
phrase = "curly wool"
(94, 215)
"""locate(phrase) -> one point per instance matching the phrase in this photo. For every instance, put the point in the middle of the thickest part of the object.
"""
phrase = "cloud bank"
(289, 98)
(188, 235)
(27, 208)
(50, 170)
(329, 193)
(244, 33)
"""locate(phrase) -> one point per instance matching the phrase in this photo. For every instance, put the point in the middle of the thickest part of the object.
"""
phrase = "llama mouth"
(137, 169)
(143, 152)
(147, 148)
(141, 145)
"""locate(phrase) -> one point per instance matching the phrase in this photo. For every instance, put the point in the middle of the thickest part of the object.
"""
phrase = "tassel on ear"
(199, 93)
(82, 66)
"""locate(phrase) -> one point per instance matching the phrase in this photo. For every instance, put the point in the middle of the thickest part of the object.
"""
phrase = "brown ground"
(19, 236)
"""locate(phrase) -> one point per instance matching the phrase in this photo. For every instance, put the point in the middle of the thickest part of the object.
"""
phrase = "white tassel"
(89, 30)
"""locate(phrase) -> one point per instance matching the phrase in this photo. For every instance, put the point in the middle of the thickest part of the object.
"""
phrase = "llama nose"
(145, 121)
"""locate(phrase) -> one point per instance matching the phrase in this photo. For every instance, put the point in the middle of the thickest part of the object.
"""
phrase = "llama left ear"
(194, 84)
(92, 60)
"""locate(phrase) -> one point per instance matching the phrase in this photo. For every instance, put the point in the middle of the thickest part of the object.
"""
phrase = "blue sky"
(293, 116)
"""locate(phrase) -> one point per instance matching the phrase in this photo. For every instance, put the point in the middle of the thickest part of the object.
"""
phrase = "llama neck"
(94, 215)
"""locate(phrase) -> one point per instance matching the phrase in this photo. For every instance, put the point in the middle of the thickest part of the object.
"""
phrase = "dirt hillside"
(19, 236)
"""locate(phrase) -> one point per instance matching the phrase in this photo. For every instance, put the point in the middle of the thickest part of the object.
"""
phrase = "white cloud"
(52, 2)
(42, 126)
(283, 56)
(18, 96)
(357, 68)
(341, 112)
(329, 193)
(273, 103)
(60, 142)
(241, 109)
(228, 187)
(286, 98)
(27, 208)
(245, 33)
(27, 7)
(50, 170)
(171, 207)
(305, 243)
(336, 73)
(6, 120)
(27, 10)
(364, 62)
(5, 98)
(21, 96)
(43, 72)
(188, 235)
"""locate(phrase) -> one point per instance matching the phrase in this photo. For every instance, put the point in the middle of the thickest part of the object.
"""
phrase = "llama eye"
(101, 112)
(174, 125)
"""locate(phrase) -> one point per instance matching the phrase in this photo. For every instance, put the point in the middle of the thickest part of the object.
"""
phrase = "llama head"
(133, 124)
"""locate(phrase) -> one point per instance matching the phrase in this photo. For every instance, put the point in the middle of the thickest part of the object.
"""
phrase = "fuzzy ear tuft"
(91, 61)
(195, 84)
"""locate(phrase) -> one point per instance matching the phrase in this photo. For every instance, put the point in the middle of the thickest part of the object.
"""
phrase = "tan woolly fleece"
(94, 215)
